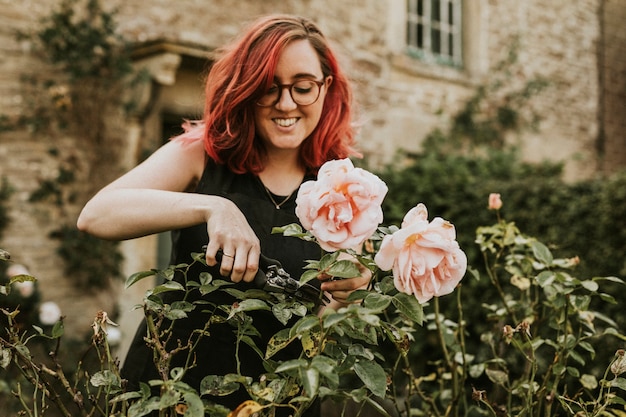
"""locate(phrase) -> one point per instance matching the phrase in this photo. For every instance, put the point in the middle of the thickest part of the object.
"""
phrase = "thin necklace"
(269, 194)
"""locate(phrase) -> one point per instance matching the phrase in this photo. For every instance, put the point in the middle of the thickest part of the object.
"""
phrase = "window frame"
(474, 45)
(430, 34)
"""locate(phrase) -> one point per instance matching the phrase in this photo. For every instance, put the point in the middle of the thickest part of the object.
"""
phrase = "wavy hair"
(245, 70)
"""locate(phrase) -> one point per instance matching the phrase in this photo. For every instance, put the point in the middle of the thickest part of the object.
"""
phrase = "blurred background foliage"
(454, 174)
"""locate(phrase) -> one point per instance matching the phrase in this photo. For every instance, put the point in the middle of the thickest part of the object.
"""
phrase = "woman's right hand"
(229, 231)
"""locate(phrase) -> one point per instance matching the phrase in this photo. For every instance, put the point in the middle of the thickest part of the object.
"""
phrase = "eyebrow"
(302, 75)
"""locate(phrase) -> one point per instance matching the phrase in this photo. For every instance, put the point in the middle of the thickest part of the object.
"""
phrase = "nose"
(285, 101)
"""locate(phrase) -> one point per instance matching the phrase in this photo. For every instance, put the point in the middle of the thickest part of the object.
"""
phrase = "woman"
(277, 107)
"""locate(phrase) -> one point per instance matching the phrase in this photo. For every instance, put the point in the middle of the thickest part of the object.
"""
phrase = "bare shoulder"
(175, 166)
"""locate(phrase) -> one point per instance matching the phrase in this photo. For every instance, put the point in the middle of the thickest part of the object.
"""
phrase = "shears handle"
(260, 279)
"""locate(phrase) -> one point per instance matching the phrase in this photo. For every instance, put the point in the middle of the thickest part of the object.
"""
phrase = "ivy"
(5, 192)
(90, 262)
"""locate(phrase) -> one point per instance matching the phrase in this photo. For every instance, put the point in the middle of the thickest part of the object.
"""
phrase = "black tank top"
(215, 354)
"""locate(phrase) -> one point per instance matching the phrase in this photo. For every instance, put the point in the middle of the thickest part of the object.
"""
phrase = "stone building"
(414, 63)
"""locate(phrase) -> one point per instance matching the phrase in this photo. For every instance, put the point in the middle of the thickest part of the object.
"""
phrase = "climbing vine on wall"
(91, 73)
(5, 193)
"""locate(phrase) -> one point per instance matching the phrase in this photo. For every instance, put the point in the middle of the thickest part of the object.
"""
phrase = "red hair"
(245, 71)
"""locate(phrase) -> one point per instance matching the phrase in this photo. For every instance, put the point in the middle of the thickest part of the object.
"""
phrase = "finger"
(252, 264)
(341, 296)
(227, 264)
(349, 284)
(211, 254)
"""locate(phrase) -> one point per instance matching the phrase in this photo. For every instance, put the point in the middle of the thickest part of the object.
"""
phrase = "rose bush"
(539, 332)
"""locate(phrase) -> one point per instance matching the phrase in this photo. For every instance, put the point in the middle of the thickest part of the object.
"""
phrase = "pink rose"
(495, 203)
(425, 257)
(342, 208)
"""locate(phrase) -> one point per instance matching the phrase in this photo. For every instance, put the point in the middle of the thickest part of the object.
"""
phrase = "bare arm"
(153, 197)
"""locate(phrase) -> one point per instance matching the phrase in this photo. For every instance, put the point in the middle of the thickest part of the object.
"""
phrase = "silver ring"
(230, 256)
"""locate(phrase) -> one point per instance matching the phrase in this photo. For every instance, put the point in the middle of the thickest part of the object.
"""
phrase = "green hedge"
(585, 219)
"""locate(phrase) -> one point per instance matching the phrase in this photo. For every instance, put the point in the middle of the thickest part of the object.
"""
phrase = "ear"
(328, 81)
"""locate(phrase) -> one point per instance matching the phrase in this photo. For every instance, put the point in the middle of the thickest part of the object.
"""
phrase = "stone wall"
(401, 100)
(612, 65)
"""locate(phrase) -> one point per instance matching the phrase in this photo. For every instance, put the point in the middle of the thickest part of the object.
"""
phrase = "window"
(434, 31)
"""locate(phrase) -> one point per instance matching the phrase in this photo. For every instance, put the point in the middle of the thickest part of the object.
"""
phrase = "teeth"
(285, 122)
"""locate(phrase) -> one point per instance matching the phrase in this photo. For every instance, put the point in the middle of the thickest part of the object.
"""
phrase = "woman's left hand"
(340, 289)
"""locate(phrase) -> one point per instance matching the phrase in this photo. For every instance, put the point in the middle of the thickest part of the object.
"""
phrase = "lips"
(286, 122)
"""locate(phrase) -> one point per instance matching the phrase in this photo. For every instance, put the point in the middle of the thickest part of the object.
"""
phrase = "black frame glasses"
(273, 95)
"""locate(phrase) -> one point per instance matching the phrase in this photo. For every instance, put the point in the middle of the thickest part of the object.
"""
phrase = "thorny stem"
(494, 280)
(601, 394)
(413, 386)
(156, 344)
(34, 378)
(461, 331)
(20, 397)
(31, 371)
(434, 410)
(449, 361)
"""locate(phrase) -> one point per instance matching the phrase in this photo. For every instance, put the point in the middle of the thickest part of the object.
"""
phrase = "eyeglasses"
(303, 93)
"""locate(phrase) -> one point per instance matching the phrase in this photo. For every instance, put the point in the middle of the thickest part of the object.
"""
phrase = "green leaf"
(541, 252)
(328, 260)
(138, 276)
(577, 357)
(168, 286)
(22, 278)
(291, 365)
(169, 399)
(293, 229)
(590, 285)
(308, 275)
(343, 269)
(310, 381)
(373, 376)
(619, 383)
(125, 397)
(332, 319)
(589, 381)
(376, 406)
(57, 330)
(610, 279)
(277, 342)
(545, 278)
(250, 342)
(409, 306)
(143, 407)
(105, 378)
(282, 312)
(217, 385)
(175, 314)
(205, 278)
(359, 350)
(248, 305)
(195, 407)
(183, 305)
(5, 357)
(497, 376)
(326, 367)
(377, 302)
(305, 324)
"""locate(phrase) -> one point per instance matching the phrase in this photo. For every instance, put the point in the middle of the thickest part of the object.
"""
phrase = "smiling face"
(285, 125)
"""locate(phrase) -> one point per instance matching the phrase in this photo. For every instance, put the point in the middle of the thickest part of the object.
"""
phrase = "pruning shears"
(272, 277)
